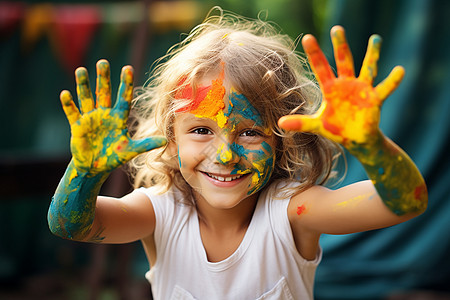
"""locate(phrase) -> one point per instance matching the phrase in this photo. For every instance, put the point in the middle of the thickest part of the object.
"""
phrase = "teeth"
(225, 179)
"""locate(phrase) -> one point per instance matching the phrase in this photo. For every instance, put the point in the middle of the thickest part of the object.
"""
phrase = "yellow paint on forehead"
(212, 105)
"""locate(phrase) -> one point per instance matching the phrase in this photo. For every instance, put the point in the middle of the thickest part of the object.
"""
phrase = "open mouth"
(227, 178)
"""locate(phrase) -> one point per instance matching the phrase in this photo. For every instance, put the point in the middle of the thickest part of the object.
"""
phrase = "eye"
(251, 133)
(201, 131)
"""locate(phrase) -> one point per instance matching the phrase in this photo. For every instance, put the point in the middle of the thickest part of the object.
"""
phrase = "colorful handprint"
(100, 143)
(350, 114)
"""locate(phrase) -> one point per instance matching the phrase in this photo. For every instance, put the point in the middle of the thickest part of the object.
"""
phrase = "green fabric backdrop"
(412, 255)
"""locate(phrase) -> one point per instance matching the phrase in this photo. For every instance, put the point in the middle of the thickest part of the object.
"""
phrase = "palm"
(350, 111)
(100, 140)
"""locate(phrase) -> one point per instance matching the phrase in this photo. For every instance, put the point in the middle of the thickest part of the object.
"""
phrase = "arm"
(100, 143)
(350, 115)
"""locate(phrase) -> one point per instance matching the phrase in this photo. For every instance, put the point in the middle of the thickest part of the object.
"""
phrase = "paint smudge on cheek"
(262, 165)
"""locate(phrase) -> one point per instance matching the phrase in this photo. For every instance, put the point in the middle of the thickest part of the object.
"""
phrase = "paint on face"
(262, 160)
(240, 104)
(262, 164)
(239, 108)
(208, 102)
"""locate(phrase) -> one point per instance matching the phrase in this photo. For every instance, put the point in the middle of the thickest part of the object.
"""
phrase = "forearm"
(394, 175)
(72, 210)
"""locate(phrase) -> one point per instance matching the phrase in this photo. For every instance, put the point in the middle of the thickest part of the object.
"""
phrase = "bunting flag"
(165, 15)
(72, 31)
(72, 27)
(10, 16)
(119, 19)
(36, 23)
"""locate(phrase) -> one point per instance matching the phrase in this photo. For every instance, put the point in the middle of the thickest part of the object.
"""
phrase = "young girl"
(231, 203)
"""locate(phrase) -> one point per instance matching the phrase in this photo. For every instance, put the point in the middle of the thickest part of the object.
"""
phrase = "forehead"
(216, 98)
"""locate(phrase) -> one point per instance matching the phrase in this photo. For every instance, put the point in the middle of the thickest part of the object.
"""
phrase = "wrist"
(377, 145)
(72, 209)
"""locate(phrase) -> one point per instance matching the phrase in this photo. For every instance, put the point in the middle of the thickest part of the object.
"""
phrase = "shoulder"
(168, 205)
(306, 238)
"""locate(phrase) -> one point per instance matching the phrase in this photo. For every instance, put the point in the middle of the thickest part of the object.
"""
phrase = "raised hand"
(100, 140)
(350, 111)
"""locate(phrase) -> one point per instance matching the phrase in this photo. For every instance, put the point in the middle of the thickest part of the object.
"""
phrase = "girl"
(231, 202)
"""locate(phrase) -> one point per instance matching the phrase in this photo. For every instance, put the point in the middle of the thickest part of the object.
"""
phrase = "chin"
(222, 200)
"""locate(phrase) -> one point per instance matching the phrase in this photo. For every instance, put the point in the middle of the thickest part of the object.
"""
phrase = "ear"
(172, 148)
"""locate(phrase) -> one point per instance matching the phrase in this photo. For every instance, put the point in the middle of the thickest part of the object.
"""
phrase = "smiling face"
(225, 152)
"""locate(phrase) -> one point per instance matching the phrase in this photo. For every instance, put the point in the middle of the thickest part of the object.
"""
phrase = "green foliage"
(295, 17)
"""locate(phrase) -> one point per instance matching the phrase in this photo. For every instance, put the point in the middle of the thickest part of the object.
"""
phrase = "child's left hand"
(350, 111)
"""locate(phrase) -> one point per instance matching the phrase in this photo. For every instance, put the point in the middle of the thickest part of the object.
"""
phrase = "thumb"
(148, 144)
(301, 123)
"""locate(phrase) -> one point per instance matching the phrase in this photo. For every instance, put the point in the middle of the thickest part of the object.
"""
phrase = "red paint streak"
(187, 93)
(122, 145)
(301, 209)
(420, 192)
(328, 115)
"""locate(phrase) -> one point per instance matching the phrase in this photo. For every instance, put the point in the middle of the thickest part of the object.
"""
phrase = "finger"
(387, 86)
(69, 107)
(342, 53)
(125, 93)
(103, 91)
(369, 67)
(144, 145)
(84, 93)
(318, 61)
(300, 123)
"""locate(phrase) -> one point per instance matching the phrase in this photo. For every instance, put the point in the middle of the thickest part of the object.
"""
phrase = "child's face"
(225, 152)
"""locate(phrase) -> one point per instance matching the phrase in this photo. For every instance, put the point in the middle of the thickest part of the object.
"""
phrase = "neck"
(221, 220)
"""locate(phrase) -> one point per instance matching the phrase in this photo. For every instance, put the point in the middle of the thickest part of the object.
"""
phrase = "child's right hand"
(100, 140)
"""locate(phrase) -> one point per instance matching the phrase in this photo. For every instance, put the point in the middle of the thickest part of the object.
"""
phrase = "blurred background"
(41, 44)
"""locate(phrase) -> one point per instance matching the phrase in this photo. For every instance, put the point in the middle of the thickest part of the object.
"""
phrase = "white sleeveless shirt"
(266, 264)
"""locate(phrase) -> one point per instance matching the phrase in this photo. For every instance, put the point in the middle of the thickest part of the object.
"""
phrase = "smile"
(224, 179)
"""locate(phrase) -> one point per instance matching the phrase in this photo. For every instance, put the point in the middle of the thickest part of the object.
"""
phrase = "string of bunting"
(70, 28)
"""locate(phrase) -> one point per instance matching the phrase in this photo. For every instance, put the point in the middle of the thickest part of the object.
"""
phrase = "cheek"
(262, 162)
(190, 153)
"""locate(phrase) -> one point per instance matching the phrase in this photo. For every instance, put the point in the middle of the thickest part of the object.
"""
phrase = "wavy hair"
(265, 67)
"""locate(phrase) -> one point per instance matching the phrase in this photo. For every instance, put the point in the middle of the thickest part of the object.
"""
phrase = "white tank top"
(266, 264)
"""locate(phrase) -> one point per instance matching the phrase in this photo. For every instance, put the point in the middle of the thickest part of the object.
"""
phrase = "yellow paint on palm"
(102, 147)
(348, 117)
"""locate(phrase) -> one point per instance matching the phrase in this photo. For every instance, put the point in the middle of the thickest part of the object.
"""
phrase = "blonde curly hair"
(265, 68)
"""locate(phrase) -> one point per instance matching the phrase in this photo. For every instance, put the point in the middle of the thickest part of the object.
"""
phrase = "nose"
(226, 154)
